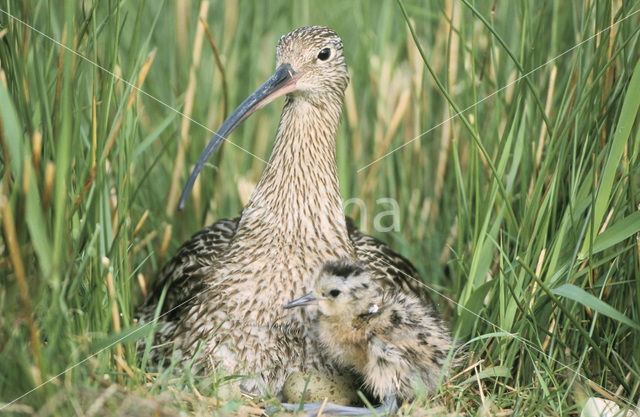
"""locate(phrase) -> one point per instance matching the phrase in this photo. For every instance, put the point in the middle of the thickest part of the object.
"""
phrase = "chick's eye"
(334, 293)
(324, 54)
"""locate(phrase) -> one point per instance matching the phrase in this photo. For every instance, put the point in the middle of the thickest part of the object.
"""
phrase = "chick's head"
(345, 289)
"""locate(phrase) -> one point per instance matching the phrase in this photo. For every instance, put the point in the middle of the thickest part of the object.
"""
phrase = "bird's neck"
(298, 198)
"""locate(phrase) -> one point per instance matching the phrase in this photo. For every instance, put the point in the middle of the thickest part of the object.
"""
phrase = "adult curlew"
(226, 286)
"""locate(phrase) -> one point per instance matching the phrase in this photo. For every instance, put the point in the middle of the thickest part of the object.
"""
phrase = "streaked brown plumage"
(394, 339)
(234, 276)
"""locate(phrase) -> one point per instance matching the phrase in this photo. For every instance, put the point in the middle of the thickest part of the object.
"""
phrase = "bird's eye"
(334, 293)
(324, 54)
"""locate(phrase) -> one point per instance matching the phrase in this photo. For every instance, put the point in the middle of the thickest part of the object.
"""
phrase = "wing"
(408, 343)
(388, 265)
(387, 372)
(182, 274)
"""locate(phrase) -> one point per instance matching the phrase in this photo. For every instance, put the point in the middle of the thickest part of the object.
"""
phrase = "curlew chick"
(393, 339)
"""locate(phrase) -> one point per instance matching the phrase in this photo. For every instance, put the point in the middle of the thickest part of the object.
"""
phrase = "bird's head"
(342, 289)
(309, 64)
(314, 54)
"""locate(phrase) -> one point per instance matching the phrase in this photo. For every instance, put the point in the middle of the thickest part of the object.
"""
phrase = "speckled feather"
(234, 276)
(391, 337)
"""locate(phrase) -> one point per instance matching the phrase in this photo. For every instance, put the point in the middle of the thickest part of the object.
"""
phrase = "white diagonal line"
(3, 406)
(138, 89)
(496, 92)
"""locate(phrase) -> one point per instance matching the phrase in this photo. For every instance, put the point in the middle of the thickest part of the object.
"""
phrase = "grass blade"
(623, 130)
(615, 234)
(580, 296)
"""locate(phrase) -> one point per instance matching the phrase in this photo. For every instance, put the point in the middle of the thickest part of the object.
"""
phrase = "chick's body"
(395, 347)
(394, 339)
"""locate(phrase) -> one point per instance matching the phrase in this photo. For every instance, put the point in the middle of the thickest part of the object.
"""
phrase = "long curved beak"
(283, 81)
(305, 300)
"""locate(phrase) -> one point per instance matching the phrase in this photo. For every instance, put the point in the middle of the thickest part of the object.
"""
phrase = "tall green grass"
(521, 213)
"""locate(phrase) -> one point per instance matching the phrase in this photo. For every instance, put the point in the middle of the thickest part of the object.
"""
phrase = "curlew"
(393, 339)
(225, 287)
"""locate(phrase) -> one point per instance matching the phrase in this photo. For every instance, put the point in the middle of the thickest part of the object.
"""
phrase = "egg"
(338, 389)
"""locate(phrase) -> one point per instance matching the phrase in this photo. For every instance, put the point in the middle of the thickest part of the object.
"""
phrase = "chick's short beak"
(305, 300)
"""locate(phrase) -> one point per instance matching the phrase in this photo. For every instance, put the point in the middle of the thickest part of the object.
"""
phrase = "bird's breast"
(344, 342)
(256, 287)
